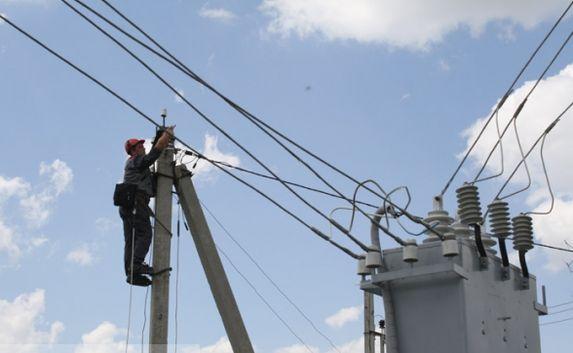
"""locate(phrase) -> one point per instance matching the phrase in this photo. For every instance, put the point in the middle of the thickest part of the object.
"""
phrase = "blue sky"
(384, 91)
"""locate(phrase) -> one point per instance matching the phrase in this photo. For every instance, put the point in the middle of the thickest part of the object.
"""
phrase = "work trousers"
(136, 226)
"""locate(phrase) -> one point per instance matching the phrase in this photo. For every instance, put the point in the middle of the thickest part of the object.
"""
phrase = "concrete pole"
(369, 337)
(159, 323)
(220, 287)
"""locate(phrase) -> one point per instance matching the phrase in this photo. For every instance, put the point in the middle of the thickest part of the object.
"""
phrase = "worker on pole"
(136, 215)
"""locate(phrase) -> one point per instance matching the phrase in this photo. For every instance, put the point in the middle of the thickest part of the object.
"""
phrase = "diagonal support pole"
(209, 256)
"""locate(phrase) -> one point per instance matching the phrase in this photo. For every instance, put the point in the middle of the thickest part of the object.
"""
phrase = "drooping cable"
(524, 101)
(543, 213)
(269, 177)
(524, 161)
(560, 305)
(263, 299)
(545, 132)
(269, 278)
(179, 65)
(502, 101)
(559, 311)
(211, 122)
(150, 120)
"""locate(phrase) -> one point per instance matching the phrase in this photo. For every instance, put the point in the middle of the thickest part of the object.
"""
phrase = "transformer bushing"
(439, 220)
(499, 219)
(469, 207)
(522, 233)
(523, 242)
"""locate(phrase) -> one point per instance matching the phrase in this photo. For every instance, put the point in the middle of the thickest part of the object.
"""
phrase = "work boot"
(138, 280)
(142, 269)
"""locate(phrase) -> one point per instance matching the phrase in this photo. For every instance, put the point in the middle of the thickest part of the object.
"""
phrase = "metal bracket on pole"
(220, 287)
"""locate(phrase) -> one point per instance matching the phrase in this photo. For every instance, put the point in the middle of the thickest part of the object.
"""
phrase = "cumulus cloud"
(217, 14)
(354, 346)
(105, 225)
(417, 25)
(297, 348)
(104, 339)
(81, 256)
(343, 316)
(20, 321)
(221, 346)
(548, 100)
(38, 207)
(211, 150)
(36, 202)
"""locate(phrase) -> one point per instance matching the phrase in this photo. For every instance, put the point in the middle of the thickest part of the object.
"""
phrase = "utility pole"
(220, 287)
(159, 322)
(369, 331)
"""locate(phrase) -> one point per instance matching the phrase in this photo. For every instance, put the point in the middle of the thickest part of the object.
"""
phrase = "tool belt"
(124, 195)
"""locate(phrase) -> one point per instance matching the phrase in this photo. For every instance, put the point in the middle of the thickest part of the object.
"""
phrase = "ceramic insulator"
(522, 232)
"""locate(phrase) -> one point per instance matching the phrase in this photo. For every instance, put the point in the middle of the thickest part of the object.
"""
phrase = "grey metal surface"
(159, 323)
(449, 305)
(212, 265)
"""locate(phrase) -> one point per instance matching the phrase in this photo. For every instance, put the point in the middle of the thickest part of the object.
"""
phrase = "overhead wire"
(315, 230)
(268, 277)
(504, 98)
(183, 68)
(524, 101)
(520, 146)
(560, 305)
(500, 173)
(552, 204)
(269, 177)
(545, 132)
(217, 127)
(555, 322)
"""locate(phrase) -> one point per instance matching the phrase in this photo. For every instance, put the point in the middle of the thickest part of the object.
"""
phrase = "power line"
(559, 305)
(220, 129)
(559, 312)
(523, 102)
(547, 131)
(556, 322)
(268, 277)
(503, 99)
(183, 68)
(150, 120)
(269, 177)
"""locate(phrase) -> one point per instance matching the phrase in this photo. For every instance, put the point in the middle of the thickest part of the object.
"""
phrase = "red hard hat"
(131, 143)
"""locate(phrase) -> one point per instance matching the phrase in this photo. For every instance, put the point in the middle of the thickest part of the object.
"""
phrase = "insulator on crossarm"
(362, 270)
(440, 221)
(522, 233)
(500, 222)
(469, 207)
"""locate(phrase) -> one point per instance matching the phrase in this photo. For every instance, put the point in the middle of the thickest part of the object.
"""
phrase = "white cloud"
(35, 202)
(60, 175)
(38, 207)
(81, 256)
(7, 242)
(221, 346)
(415, 25)
(20, 321)
(297, 348)
(354, 346)
(12, 187)
(103, 340)
(547, 101)
(218, 14)
(210, 150)
(343, 316)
